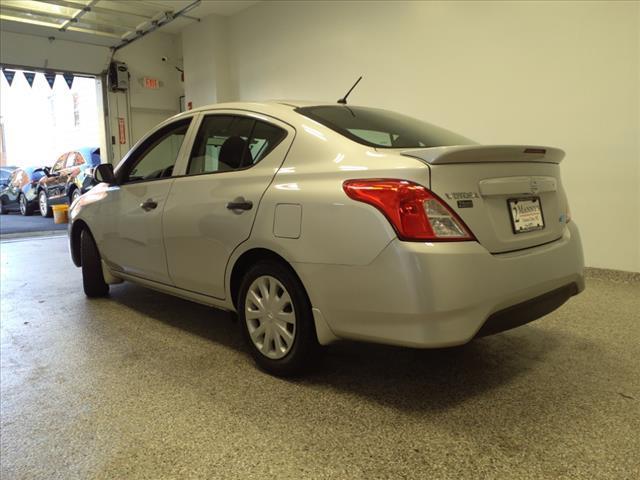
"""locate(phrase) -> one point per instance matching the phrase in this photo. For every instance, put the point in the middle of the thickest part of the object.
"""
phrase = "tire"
(92, 278)
(265, 326)
(26, 210)
(3, 209)
(75, 194)
(43, 204)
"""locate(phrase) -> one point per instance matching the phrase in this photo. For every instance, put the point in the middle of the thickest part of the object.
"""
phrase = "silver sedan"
(318, 222)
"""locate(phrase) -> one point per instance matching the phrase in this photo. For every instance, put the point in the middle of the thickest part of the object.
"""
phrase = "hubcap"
(76, 194)
(43, 204)
(270, 317)
(23, 205)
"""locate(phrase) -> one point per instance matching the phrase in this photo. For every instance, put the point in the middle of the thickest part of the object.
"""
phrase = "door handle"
(148, 205)
(240, 204)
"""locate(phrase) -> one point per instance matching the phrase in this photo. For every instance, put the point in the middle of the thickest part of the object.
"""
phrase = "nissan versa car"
(318, 222)
(70, 176)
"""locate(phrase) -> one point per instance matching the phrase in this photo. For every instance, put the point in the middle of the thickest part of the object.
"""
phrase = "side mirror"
(104, 173)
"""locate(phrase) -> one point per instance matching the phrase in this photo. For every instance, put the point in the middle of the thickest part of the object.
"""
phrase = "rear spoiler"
(486, 154)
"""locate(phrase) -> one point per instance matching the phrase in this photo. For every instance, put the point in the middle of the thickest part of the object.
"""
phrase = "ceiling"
(108, 22)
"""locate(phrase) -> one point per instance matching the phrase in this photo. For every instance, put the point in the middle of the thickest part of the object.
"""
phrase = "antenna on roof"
(343, 100)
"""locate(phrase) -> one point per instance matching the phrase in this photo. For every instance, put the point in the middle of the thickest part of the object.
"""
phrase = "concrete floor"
(143, 385)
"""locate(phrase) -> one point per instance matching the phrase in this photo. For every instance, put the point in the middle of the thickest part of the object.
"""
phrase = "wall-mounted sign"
(122, 136)
(152, 83)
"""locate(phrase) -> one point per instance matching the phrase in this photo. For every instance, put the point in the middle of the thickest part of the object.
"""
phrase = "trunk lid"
(496, 189)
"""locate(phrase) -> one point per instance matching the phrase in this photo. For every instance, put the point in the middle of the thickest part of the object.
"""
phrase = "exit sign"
(148, 82)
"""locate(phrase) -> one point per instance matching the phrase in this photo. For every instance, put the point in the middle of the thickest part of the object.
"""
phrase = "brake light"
(415, 212)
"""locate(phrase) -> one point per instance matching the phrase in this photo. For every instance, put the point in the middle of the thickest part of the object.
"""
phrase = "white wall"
(143, 108)
(144, 59)
(551, 73)
(206, 61)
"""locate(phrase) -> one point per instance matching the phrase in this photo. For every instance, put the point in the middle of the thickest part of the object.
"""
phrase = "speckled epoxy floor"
(143, 385)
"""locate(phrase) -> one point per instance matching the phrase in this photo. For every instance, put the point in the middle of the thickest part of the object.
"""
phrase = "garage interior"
(145, 385)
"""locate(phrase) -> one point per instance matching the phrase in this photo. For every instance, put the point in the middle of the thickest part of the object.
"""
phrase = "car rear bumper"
(442, 294)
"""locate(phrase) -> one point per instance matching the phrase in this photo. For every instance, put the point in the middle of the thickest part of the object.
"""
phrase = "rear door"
(211, 209)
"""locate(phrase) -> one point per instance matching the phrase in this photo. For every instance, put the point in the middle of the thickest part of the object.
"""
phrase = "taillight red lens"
(415, 212)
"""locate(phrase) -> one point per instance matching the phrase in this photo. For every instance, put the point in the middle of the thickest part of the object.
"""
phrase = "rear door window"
(230, 142)
(71, 160)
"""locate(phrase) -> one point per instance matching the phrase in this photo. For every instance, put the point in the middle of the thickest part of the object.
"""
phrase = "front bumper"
(441, 294)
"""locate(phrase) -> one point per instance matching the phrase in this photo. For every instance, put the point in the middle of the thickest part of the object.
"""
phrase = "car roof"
(86, 150)
(270, 106)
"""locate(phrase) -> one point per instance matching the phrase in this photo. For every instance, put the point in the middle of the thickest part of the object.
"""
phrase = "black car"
(5, 173)
(70, 177)
(20, 191)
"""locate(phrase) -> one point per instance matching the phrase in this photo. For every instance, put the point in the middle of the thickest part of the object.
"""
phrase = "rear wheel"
(92, 278)
(3, 209)
(25, 209)
(43, 203)
(276, 320)
(75, 195)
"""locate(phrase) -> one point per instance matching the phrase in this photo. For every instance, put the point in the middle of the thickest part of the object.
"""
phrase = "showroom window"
(226, 142)
(155, 158)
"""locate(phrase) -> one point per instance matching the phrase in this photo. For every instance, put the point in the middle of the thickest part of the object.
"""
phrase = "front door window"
(155, 158)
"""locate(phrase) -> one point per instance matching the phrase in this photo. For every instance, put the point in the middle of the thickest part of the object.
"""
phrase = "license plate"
(526, 214)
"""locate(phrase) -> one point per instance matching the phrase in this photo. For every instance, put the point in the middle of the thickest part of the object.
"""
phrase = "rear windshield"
(382, 128)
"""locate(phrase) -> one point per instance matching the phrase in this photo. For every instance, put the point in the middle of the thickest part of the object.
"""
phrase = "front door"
(211, 209)
(131, 240)
(54, 182)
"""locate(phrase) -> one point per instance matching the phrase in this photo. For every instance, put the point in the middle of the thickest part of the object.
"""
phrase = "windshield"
(382, 128)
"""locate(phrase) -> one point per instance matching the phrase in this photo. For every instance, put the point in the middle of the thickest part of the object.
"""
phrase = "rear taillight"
(415, 213)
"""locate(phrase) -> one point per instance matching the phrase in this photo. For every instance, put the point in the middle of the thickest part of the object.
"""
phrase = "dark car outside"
(5, 173)
(69, 177)
(20, 191)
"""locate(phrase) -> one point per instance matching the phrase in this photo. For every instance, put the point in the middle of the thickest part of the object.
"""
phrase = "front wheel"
(43, 203)
(92, 277)
(276, 320)
(25, 209)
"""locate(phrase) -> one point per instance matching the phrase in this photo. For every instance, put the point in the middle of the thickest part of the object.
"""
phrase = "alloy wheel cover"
(43, 203)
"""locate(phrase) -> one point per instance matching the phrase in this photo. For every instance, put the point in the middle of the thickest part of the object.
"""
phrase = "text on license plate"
(526, 214)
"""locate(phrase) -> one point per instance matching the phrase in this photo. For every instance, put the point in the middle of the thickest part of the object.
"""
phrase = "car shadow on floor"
(401, 378)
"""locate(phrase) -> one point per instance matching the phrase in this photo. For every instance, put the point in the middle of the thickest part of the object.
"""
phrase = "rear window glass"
(382, 128)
